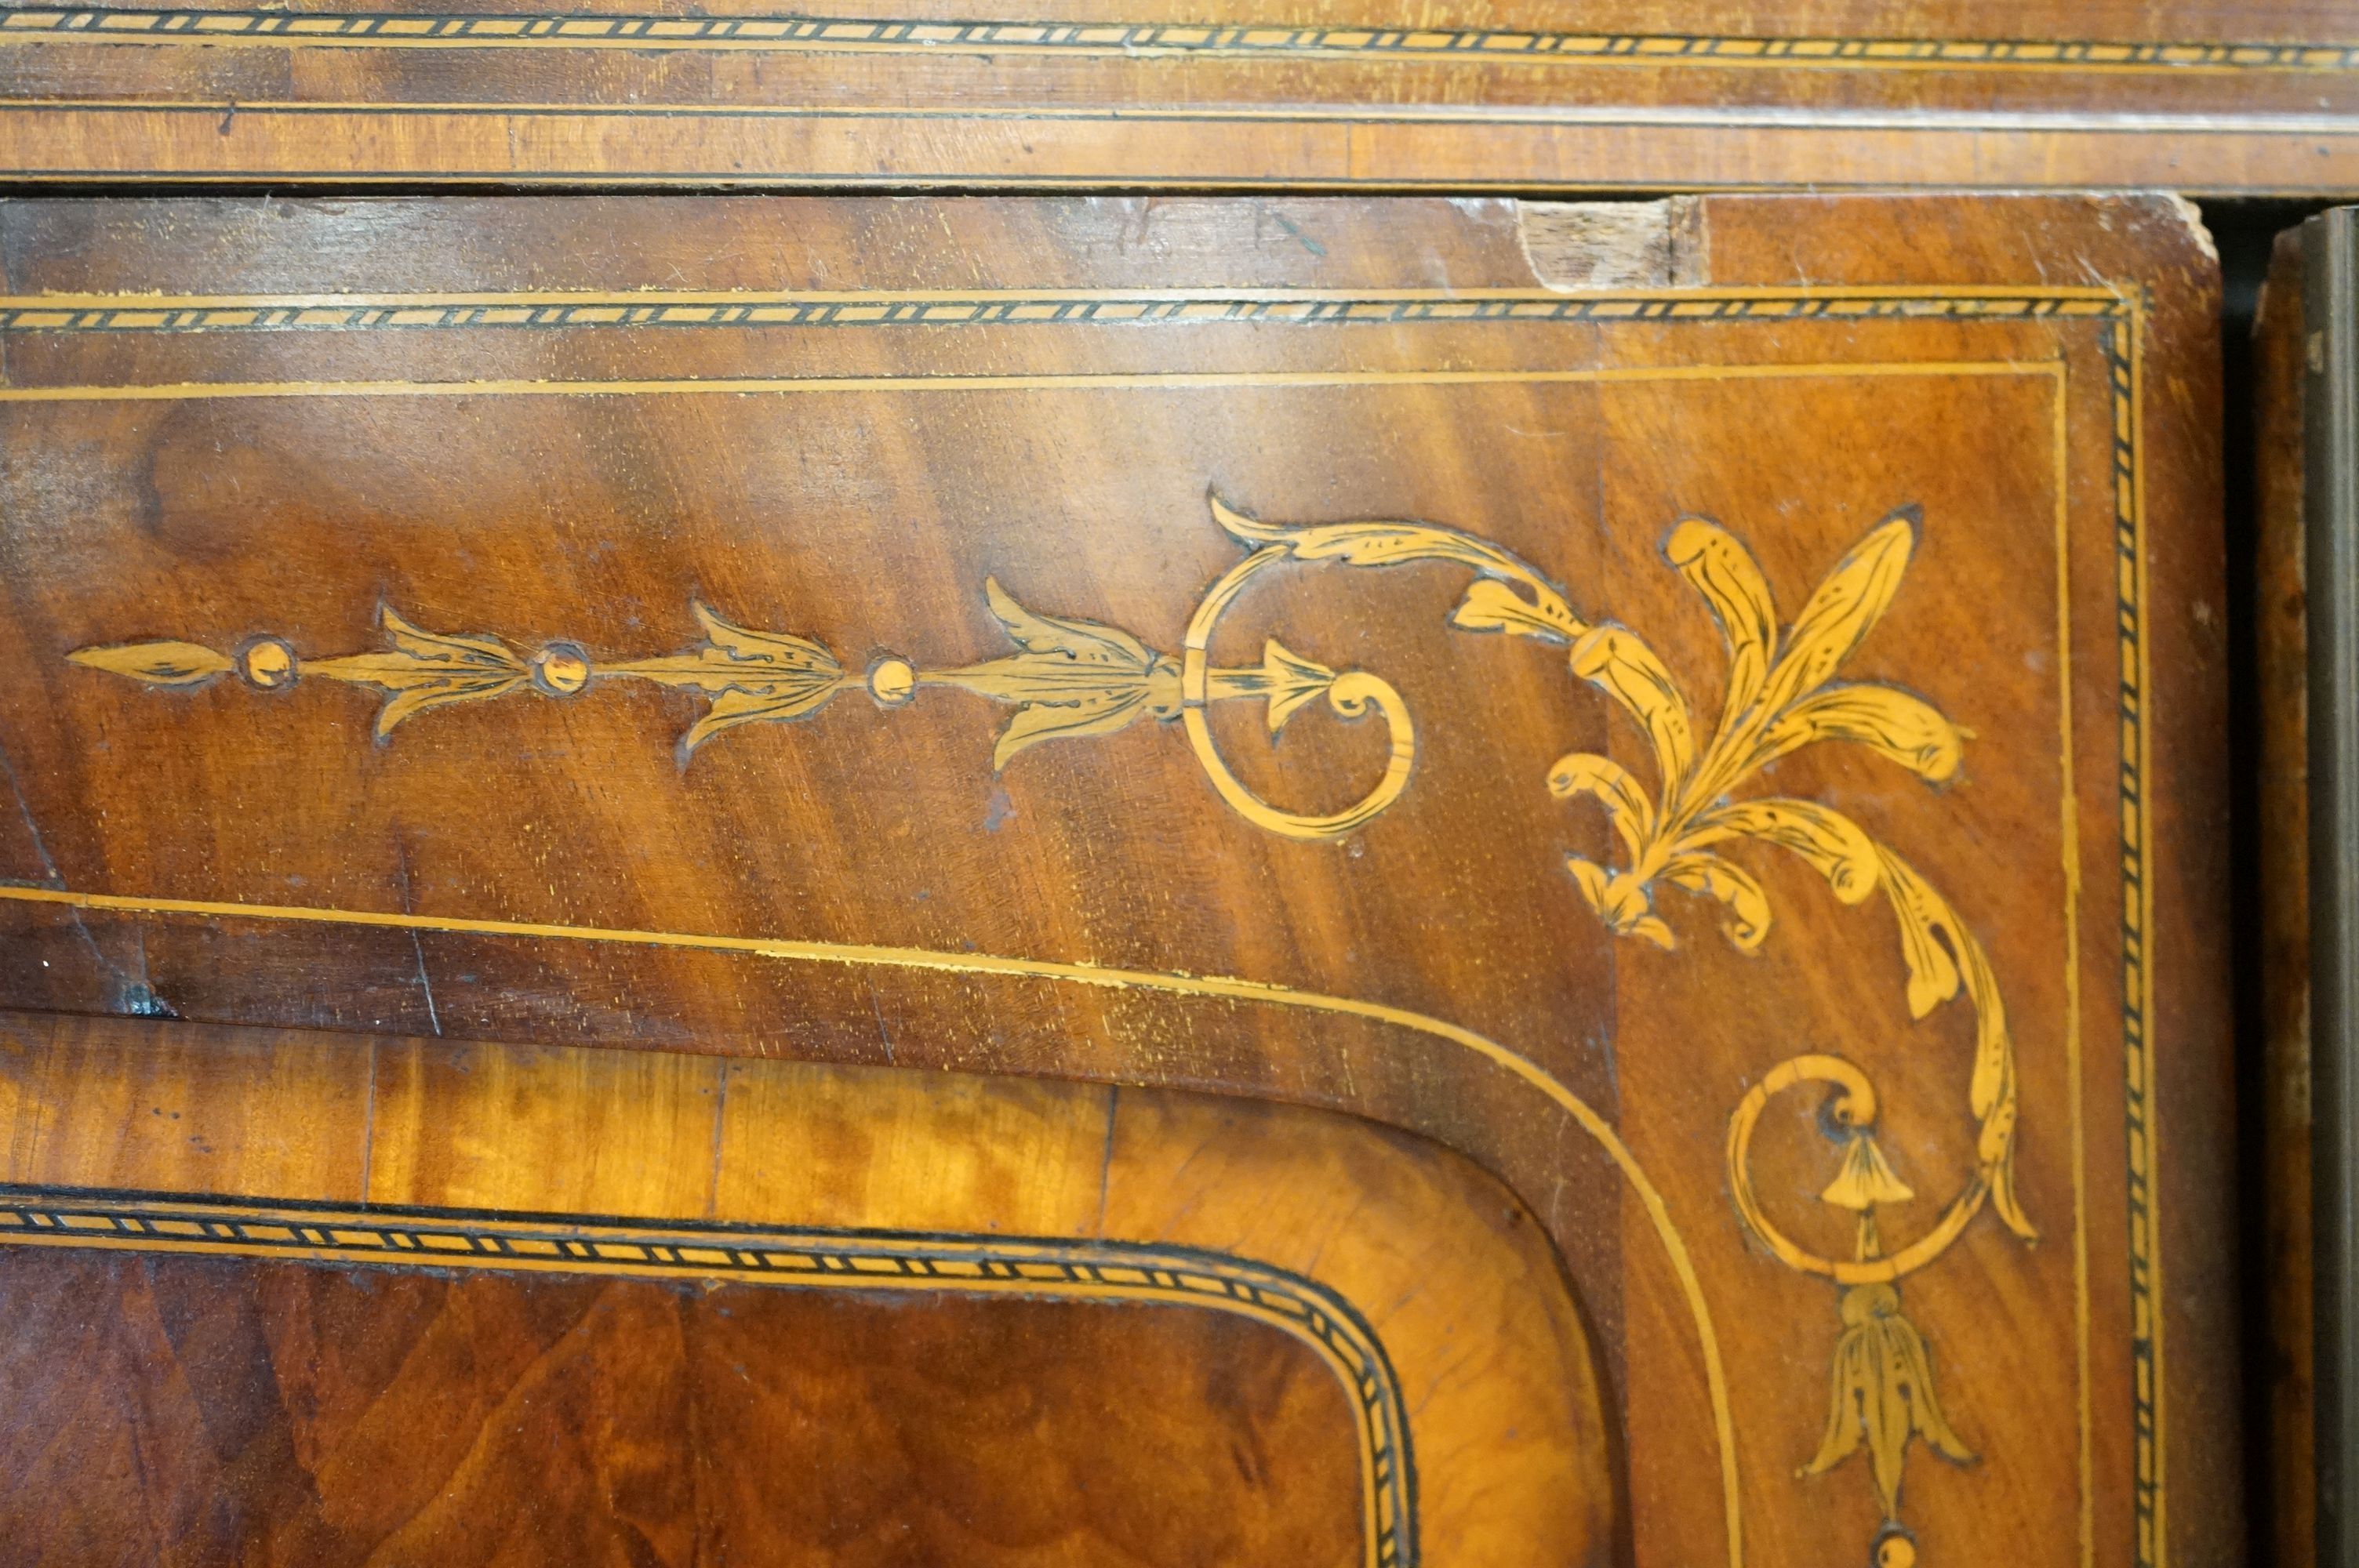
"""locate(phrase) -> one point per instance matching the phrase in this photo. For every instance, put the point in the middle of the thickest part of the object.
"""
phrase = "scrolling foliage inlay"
(1072, 678)
(1781, 695)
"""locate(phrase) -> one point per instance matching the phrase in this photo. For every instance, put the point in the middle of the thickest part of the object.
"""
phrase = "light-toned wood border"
(1423, 1287)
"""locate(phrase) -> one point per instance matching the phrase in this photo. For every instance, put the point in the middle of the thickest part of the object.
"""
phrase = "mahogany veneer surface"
(291, 1413)
(1709, 712)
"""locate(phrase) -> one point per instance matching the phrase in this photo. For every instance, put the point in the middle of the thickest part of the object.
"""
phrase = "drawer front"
(1695, 723)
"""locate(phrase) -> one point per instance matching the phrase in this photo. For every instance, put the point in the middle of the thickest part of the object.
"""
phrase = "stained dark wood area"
(2286, 1495)
(223, 1410)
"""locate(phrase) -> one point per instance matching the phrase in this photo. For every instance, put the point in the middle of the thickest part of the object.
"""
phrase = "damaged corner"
(1576, 245)
(2190, 215)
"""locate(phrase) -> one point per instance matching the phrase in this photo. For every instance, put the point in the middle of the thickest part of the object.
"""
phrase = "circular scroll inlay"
(892, 682)
(560, 669)
(266, 662)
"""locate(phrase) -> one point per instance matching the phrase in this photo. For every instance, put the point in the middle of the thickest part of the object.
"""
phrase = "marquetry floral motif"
(1883, 1394)
(1780, 695)
(745, 675)
(1067, 679)
(1075, 679)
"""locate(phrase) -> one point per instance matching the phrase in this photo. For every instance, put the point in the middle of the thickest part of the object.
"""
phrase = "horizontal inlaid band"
(1157, 40)
(247, 313)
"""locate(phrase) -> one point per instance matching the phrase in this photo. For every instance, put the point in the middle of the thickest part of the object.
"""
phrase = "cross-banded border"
(980, 307)
(657, 309)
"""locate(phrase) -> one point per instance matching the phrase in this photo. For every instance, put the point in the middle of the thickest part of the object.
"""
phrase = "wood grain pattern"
(2020, 1027)
(229, 1412)
(555, 1129)
(1452, 1279)
(2226, 98)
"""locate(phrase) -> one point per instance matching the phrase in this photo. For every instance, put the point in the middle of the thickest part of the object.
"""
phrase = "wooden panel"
(1300, 93)
(1245, 646)
(227, 1411)
(1163, 1370)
